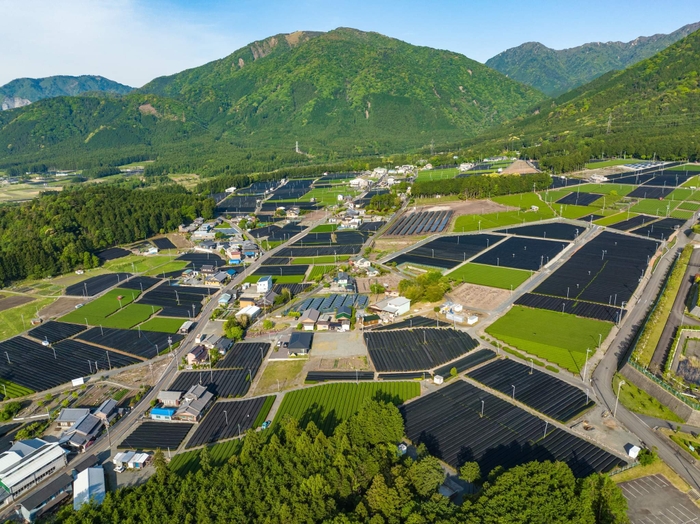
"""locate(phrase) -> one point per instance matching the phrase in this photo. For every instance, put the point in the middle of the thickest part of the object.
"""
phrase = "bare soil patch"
(478, 297)
(14, 301)
(60, 307)
(180, 241)
(135, 377)
(521, 167)
(338, 364)
(313, 216)
(390, 281)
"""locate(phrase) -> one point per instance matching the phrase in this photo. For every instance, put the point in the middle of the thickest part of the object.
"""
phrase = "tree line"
(482, 186)
(356, 475)
(61, 231)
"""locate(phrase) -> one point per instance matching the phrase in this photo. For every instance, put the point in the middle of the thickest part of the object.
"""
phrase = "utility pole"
(622, 382)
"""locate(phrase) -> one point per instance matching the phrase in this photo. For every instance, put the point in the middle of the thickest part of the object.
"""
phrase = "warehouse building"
(89, 486)
(28, 463)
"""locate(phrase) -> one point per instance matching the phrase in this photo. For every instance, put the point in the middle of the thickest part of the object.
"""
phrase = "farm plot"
(197, 260)
(156, 435)
(579, 199)
(294, 289)
(140, 283)
(671, 179)
(573, 307)
(542, 392)
(660, 230)
(471, 360)
(113, 253)
(298, 270)
(227, 420)
(634, 222)
(274, 233)
(145, 344)
(414, 322)
(331, 177)
(310, 261)
(95, 285)
(450, 424)
(278, 261)
(292, 190)
(244, 355)
(237, 205)
(162, 243)
(343, 238)
(654, 193)
(176, 301)
(553, 230)
(330, 376)
(330, 404)
(559, 182)
(414, 375)
(522, 253)
(493, 276)
(319, 271)
(34, 366)
(365, 200)
(258, 188)
(54, 331)
(371, 227)
(164, 324)
(222, 383)
(421, 223)
(330, 303)
(99, 310)
(416, 349)
(606, 270)
(658, 208)
(451, 251)
(101, 359)
(590, 218)
(557, 337)
(318, 251)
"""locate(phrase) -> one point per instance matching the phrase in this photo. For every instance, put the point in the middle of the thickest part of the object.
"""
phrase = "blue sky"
(133, 41)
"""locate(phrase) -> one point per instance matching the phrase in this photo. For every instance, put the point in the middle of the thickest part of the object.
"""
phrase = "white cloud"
(122, 40)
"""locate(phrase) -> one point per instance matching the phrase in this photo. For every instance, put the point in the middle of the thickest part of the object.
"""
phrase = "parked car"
(266, 424)
(78, 306)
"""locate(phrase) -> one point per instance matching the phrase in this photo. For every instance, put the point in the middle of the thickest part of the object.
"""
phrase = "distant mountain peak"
(555, 71)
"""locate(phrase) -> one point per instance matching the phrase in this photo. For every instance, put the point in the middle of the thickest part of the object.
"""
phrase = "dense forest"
(482, 186)
(59, 232)
(355, 476)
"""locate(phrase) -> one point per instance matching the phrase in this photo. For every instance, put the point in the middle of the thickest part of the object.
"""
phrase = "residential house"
(372, 272)
(344, 312)
(300, 342)
(309, 318)
(182, 228)
(293, 212)
(222, 345)
(107, 410)
(264, 284)
(207, 245)
(268, 300)
(324, 322)
(370, 320)
(248, 299)
(196, 401)
(362, 263)
(163, 413)
(393, 306)
(224, 299)
(218, 279)
(197, 355)
(359, 183)
(345, 324)
(207, 269)
(250, 249)
(69, 416)
(170, 399)
(82, 434)
(342, 278)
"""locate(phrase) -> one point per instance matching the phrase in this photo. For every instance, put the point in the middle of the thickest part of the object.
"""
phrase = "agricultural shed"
(89, 487)
(163, 413)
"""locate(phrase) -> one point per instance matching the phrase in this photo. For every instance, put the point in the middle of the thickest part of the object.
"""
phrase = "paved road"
(677, 316)
(615, 356)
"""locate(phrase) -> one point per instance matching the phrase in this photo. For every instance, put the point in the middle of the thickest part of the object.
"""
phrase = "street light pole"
(482, 409)
(513, 391)
(226, 415)
(618, 397)
(585, 366)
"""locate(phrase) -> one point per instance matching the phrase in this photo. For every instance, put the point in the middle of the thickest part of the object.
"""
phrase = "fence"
(673, 391)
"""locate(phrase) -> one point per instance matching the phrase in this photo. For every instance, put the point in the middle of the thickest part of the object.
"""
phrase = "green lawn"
(324, 228)
(162, 324)
(97, 311)
(679, 213)
(319, 271)
(573, 211)
(690, 206)
(681, 193)
(654, 207)
(11, 319)
(686, 167)
(279, 279)
(437, 174)
(501, 277)
(323, 259)
(141, 264)
(612, 162)
(641, 402)
(129, 316)
(328, 405)
(614, 219)
(175, 265)
(559, 338)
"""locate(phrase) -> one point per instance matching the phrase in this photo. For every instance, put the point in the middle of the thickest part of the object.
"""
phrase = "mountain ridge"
(555, 72)
(23, 91)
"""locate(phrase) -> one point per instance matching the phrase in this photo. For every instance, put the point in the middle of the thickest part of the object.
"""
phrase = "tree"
(268, 324)
(647, 457)
(232, 329)
(377, 288)
(605, 498)
(426, 476)
(470, 472)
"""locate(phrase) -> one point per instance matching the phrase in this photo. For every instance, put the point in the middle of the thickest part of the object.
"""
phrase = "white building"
(394, 306)
(251, 311)
(264, 284)
(29, 462)
(89, 486)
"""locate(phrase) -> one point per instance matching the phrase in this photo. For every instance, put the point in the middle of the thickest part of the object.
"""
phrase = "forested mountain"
(24, 91)
(344, 92)
(557, 71)
(653, 107)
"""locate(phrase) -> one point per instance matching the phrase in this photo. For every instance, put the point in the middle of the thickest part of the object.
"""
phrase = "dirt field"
(134, 378)
(60, 307)
(468, 207)
(313, 217)
(338, 364)
(390, 281)
(386, 245)
(521, 167)
(8, 302)
(180, 241)
(478, 297)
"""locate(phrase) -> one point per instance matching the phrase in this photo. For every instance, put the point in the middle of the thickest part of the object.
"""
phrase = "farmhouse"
(222, 345)
(82, 434)
(299, 342)
(309, 318)
(362, 263)
(69, 416)
(218, 279)
(248, 299)
(269, 299)
(29, 462)
(169, 398)
(393, 306)
(163, 413)
(107, 410)
(324, 322)
(196, 401)
(370, 320)
(224, 299)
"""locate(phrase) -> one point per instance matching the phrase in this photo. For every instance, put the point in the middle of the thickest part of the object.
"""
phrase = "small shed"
(139, 460)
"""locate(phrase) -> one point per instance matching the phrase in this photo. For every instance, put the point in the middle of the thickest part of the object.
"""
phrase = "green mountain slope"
(23, 91)
(557, 71)
(339, 93)
(653, 107)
